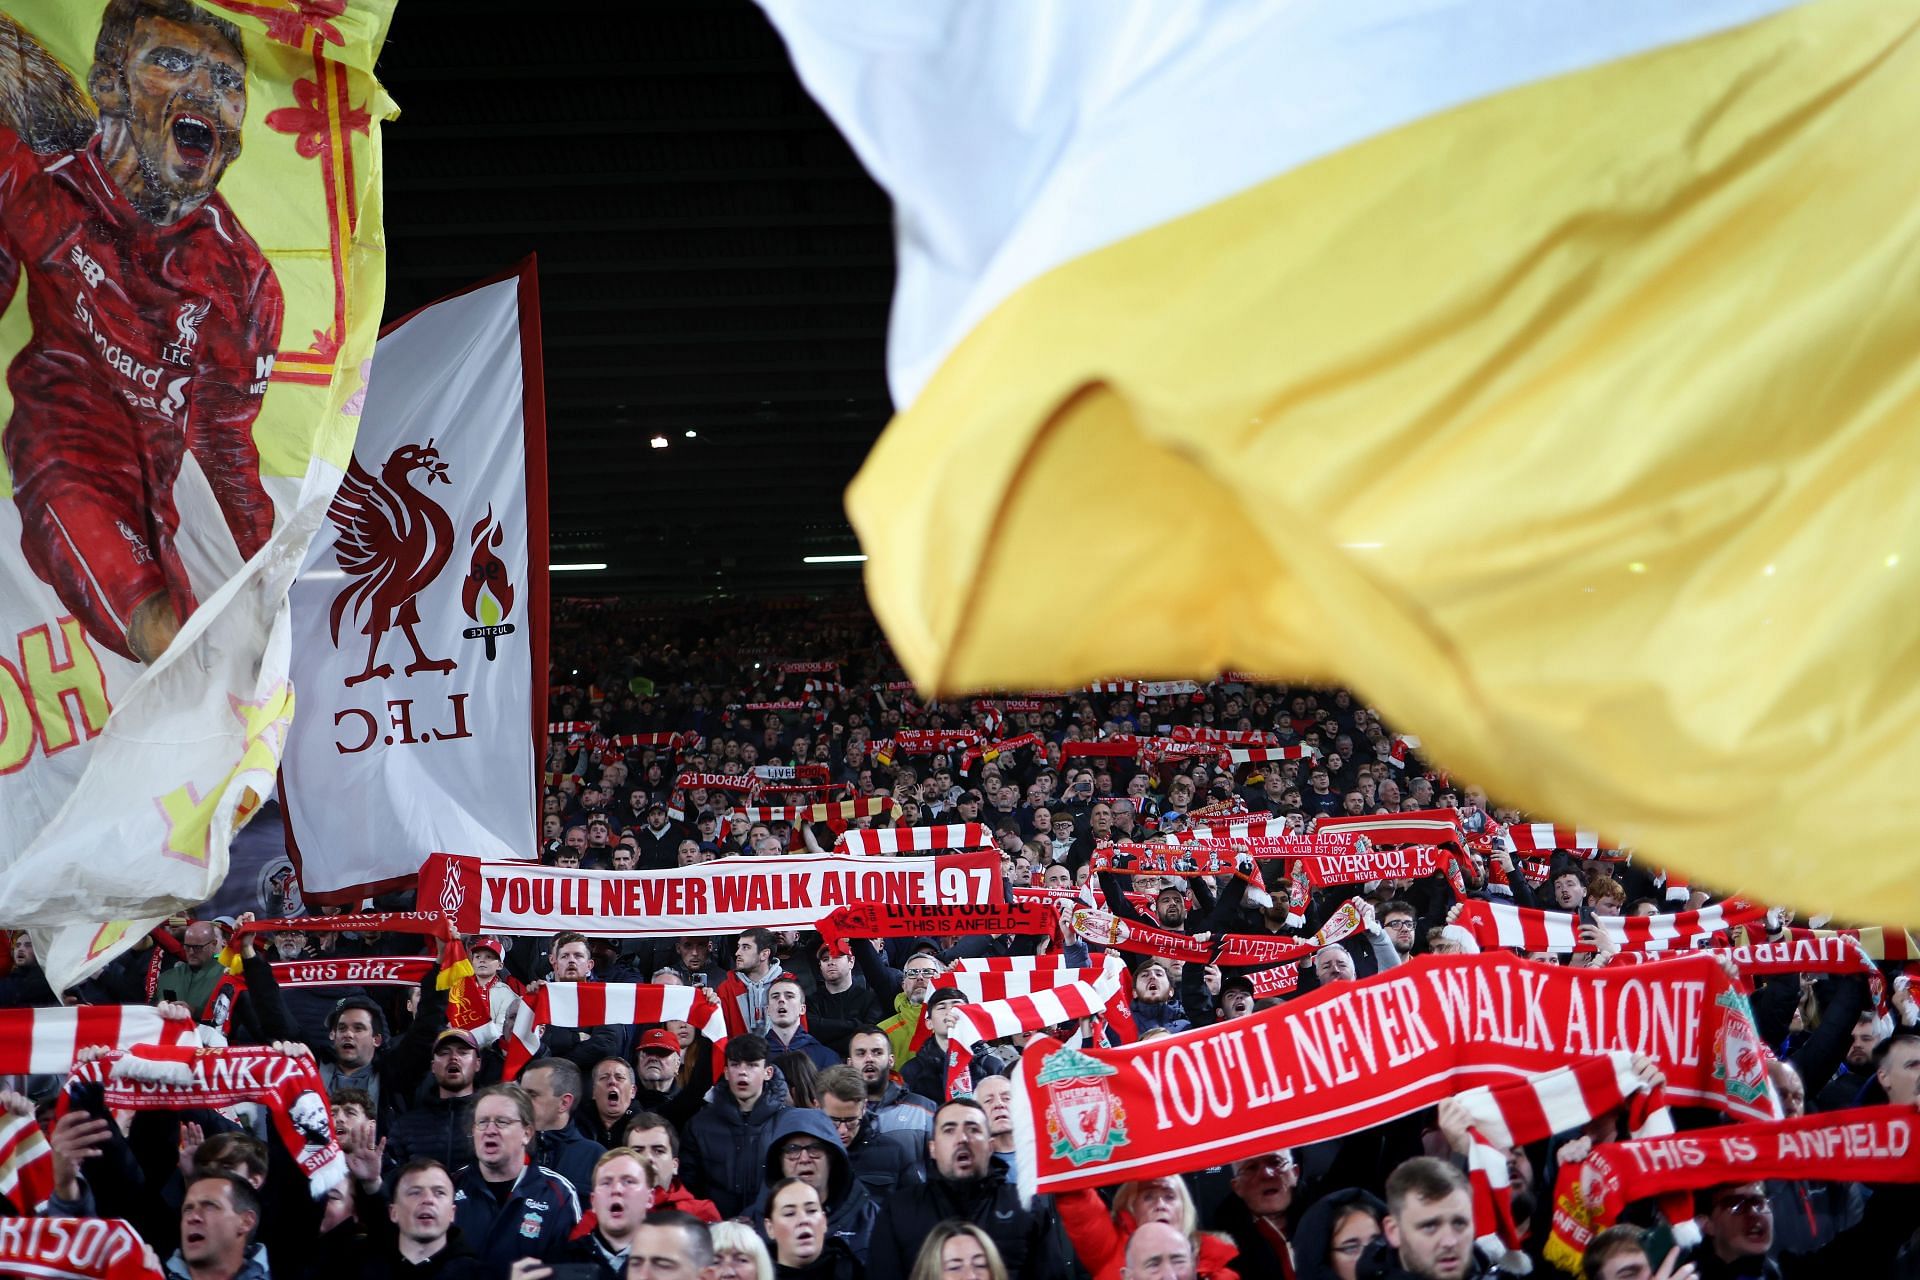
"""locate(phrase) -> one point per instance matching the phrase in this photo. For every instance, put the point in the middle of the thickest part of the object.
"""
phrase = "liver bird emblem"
(394, 541)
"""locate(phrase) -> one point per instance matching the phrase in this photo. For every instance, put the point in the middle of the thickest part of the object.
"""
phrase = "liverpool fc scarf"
(907, 920)
(1034, 1011)
(1862, 1144)
(155, 1078)
(73, 1249)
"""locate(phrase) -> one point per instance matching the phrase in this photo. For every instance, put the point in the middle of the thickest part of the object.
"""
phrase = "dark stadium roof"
(712, 258)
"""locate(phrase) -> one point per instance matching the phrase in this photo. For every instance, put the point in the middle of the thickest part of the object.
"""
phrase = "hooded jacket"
(850, 1210)
(1028, 1238)
(744, 1000)
(1313, 1238)
(724, 1155)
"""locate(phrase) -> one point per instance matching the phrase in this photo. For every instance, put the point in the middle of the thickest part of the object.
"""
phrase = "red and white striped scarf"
(1538, 1108)
(1501, 924)
(991, 751)
(1263, 755)
(599, 1004)
(1044, 1007)
(26, 1163)
(957, 835)
(1544, 837)
(46, 1041)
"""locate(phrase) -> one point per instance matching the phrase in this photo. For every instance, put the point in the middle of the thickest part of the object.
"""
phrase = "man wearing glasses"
(1739, 1231)
(1256, 1216)
(1397, 918)
(192, 980)
(879, 1160)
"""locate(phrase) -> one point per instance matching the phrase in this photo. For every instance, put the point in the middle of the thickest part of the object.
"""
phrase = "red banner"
(1361, 1053)
(724, 896)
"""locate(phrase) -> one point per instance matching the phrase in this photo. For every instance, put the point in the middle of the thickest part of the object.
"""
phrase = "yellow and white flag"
(1547, 372)
(191, 273)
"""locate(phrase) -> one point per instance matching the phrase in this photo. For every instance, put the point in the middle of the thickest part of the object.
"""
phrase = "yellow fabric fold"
(1576, 428)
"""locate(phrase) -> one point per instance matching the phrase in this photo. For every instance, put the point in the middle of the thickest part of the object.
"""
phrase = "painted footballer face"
(171, 114)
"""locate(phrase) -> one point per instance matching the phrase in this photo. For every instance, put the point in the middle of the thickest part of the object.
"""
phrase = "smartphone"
(700, 979)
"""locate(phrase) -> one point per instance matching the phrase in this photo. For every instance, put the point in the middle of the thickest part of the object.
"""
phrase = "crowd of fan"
(820, 1140)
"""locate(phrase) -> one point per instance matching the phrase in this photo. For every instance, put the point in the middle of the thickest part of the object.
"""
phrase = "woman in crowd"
(796, 1223)
(738, 1253)
(959, 1251)
(1334, 1232)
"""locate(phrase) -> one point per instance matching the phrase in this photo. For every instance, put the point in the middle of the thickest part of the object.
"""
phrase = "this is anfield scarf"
(905, 920)
(73, 1249)
(1862, 1144)
(153, 1078)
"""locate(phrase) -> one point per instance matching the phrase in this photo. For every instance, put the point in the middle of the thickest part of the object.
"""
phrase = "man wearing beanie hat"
(926, 1072)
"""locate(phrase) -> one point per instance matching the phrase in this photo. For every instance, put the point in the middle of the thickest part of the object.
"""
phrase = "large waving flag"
(193, 269)
(1547, 372)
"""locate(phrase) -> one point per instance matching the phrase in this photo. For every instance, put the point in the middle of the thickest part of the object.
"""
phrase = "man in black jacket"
(724, 1157)
(839, 1006)
(439, 1124)
(880, 1160)
(967, 1185)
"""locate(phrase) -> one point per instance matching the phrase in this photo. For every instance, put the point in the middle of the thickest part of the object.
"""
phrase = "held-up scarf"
(36, 1042)
(156, 1078)
(1862, 1144)
(1031, 1011)
(955, 835)
(904, 920)
(1544, 837)
(466, 1003)
(26, 1163)
(73, 1249)
(364, 971)
(994, 750)
(1236, 756)
(1360, 1053)
(1109, 930)
(599, 1004)
(740, 783)
(1501, 924)
(1421, 826)
(1507, 1116)
(1225, 737)
(1247, 949)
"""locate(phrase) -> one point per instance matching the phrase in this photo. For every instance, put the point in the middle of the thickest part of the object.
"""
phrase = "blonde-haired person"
(1099, 1235)
(959, 1251)
(739, 1253)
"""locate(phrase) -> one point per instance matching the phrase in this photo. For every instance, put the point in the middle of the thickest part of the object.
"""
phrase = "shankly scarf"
(957, 835)
(1861, 1144)
(906, 920)
(73, 1249)
(1507, 1116)
(36, 1042)
(599, 1004)
(1034, 1010)
(1361, 1053)
(466, 1003)
(1501, 924)
(26, 1163)
(157, 1078)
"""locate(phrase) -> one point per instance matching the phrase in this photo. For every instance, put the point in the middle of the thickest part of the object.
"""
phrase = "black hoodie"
(1313, 1238)
(850, 1210)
